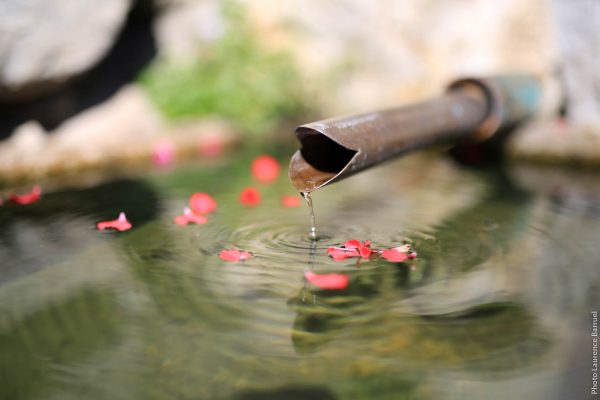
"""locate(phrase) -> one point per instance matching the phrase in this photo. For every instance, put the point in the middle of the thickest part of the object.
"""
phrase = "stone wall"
(387, 52)
(353, 55)
(44, 43)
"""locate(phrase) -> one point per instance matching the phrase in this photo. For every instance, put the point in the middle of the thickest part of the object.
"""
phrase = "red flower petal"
(405, 248)
(327, 281)
(202, 203)
(362, 248)
(250, 196)
(163, 152)
(412, 255)
(339, 253)
(352, 244)
(394, 255)
(120, 224)
(28, 198)
(265, 169)
(364, 251)
(211, 145)
(189, 217)
(291, 201)
(234, 255)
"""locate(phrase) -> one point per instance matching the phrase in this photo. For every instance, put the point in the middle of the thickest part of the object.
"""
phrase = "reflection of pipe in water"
(474, 109)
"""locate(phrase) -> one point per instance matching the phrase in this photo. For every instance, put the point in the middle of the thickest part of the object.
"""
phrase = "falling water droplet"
(313, 227)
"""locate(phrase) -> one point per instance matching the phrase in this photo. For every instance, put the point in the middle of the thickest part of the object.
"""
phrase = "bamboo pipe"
(471, 109)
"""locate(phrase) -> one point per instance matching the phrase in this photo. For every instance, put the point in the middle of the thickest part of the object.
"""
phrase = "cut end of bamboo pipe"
(319, 160)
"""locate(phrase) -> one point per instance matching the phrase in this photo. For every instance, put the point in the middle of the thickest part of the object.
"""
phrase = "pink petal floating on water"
(356, 248)
(352, 248)
(265, 168)
(352, 244)
(234, 255)
(399, 254)
(365, 251)
(405, 248)
(327, 281)
(189, 217)
(340, 253)
(163, 152)
(250, 197)
(291, 201)
(202, 203)
(363, 248)
(119, 224)
(27, 198)
(394, 255)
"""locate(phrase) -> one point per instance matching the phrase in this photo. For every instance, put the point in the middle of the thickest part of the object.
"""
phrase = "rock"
(121, 131)
(385, 53)
(110, 131)
(557, 142)
(578, 36)
(116, 129)
(45, 43)
(182, 28)
(25, 146)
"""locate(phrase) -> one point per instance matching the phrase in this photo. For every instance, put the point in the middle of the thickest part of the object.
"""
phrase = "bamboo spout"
(475, 109)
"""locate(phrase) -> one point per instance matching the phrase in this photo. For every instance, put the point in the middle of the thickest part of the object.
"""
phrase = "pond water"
(497, 304)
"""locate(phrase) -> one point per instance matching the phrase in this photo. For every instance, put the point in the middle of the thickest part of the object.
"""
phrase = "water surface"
(496, 306)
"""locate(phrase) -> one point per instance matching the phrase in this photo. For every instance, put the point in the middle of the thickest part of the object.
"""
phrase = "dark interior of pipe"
(323, 153)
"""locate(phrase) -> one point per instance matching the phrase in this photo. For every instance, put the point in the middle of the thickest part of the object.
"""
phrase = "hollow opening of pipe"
(323, 153)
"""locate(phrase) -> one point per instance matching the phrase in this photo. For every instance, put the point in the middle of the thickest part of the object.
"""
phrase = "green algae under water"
(497, 306)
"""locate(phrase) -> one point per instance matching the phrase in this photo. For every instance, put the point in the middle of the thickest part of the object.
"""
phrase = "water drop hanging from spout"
(312, 234)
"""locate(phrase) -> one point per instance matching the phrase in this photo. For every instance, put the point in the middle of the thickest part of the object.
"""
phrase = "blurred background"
(83, 85)
(93, 93)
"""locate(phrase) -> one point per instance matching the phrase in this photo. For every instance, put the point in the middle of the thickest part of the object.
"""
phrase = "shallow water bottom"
(497, 304)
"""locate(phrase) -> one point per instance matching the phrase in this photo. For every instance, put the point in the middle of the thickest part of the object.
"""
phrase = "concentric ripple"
(284, 242)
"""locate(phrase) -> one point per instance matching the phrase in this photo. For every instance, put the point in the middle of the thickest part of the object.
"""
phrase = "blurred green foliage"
(233, 78)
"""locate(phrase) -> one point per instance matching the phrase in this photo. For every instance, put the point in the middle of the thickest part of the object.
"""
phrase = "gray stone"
(44, 43)
(184, 28)
(121, 131)
(578, 35)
